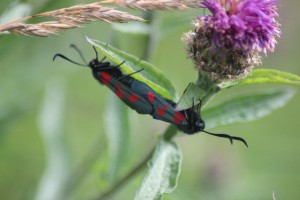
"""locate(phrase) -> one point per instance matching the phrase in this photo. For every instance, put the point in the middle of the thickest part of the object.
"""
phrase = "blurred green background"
(32, 86)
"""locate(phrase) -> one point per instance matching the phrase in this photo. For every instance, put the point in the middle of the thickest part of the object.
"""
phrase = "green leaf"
(265, 76)
(271, 76)
(150, 74)
(118, 134)
(246, 108)
(191, 96)
(163, 173)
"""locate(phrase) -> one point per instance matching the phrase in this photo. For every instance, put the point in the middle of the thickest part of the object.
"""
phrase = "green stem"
(154, 33)
(170, 132)
(211, 87)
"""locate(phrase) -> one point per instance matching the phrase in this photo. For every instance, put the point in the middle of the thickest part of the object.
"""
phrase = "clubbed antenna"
(68, 59)
(231, 138)
(125, 76)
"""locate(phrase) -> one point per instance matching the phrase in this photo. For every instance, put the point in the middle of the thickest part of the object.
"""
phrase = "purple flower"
(242, 24)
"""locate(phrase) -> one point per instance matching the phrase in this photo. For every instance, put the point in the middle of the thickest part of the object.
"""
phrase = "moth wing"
(163, 109)
(130, 97)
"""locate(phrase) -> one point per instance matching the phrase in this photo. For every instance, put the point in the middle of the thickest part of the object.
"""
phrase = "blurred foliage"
(212, 169)
(163, 173)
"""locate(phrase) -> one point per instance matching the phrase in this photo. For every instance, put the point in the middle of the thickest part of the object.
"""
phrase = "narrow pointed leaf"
(246, 108)
(271, 76)
(163, 173)
(150, 75)
(266, 76)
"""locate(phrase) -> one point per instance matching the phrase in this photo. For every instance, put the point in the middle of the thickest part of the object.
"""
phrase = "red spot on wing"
(118, 87)
(133, 98)
(118, 92)
(178, 118)
(160, 112)
(151, 97)
(165, 107)
(105, 78)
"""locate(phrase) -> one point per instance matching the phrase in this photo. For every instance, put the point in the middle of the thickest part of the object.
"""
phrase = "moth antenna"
(79, 52)
(125, 76)
(68, 59)
(97, 54)
(111, 67)
(231, 138)
(121, 64)
(101, 59)
(138, 71)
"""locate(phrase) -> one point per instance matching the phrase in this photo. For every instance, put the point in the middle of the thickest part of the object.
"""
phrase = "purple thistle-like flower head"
(227, 43)
(242, 24)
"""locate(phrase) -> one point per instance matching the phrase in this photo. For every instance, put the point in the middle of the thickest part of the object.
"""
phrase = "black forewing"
(142, 106)
(136, 95)
(159, 104)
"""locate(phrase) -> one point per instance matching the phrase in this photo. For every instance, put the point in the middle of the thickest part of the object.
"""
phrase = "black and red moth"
(143, 99)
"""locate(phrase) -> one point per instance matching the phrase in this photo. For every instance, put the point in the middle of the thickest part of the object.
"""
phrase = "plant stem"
(154, 34)
(211, 87)
(170, 132)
